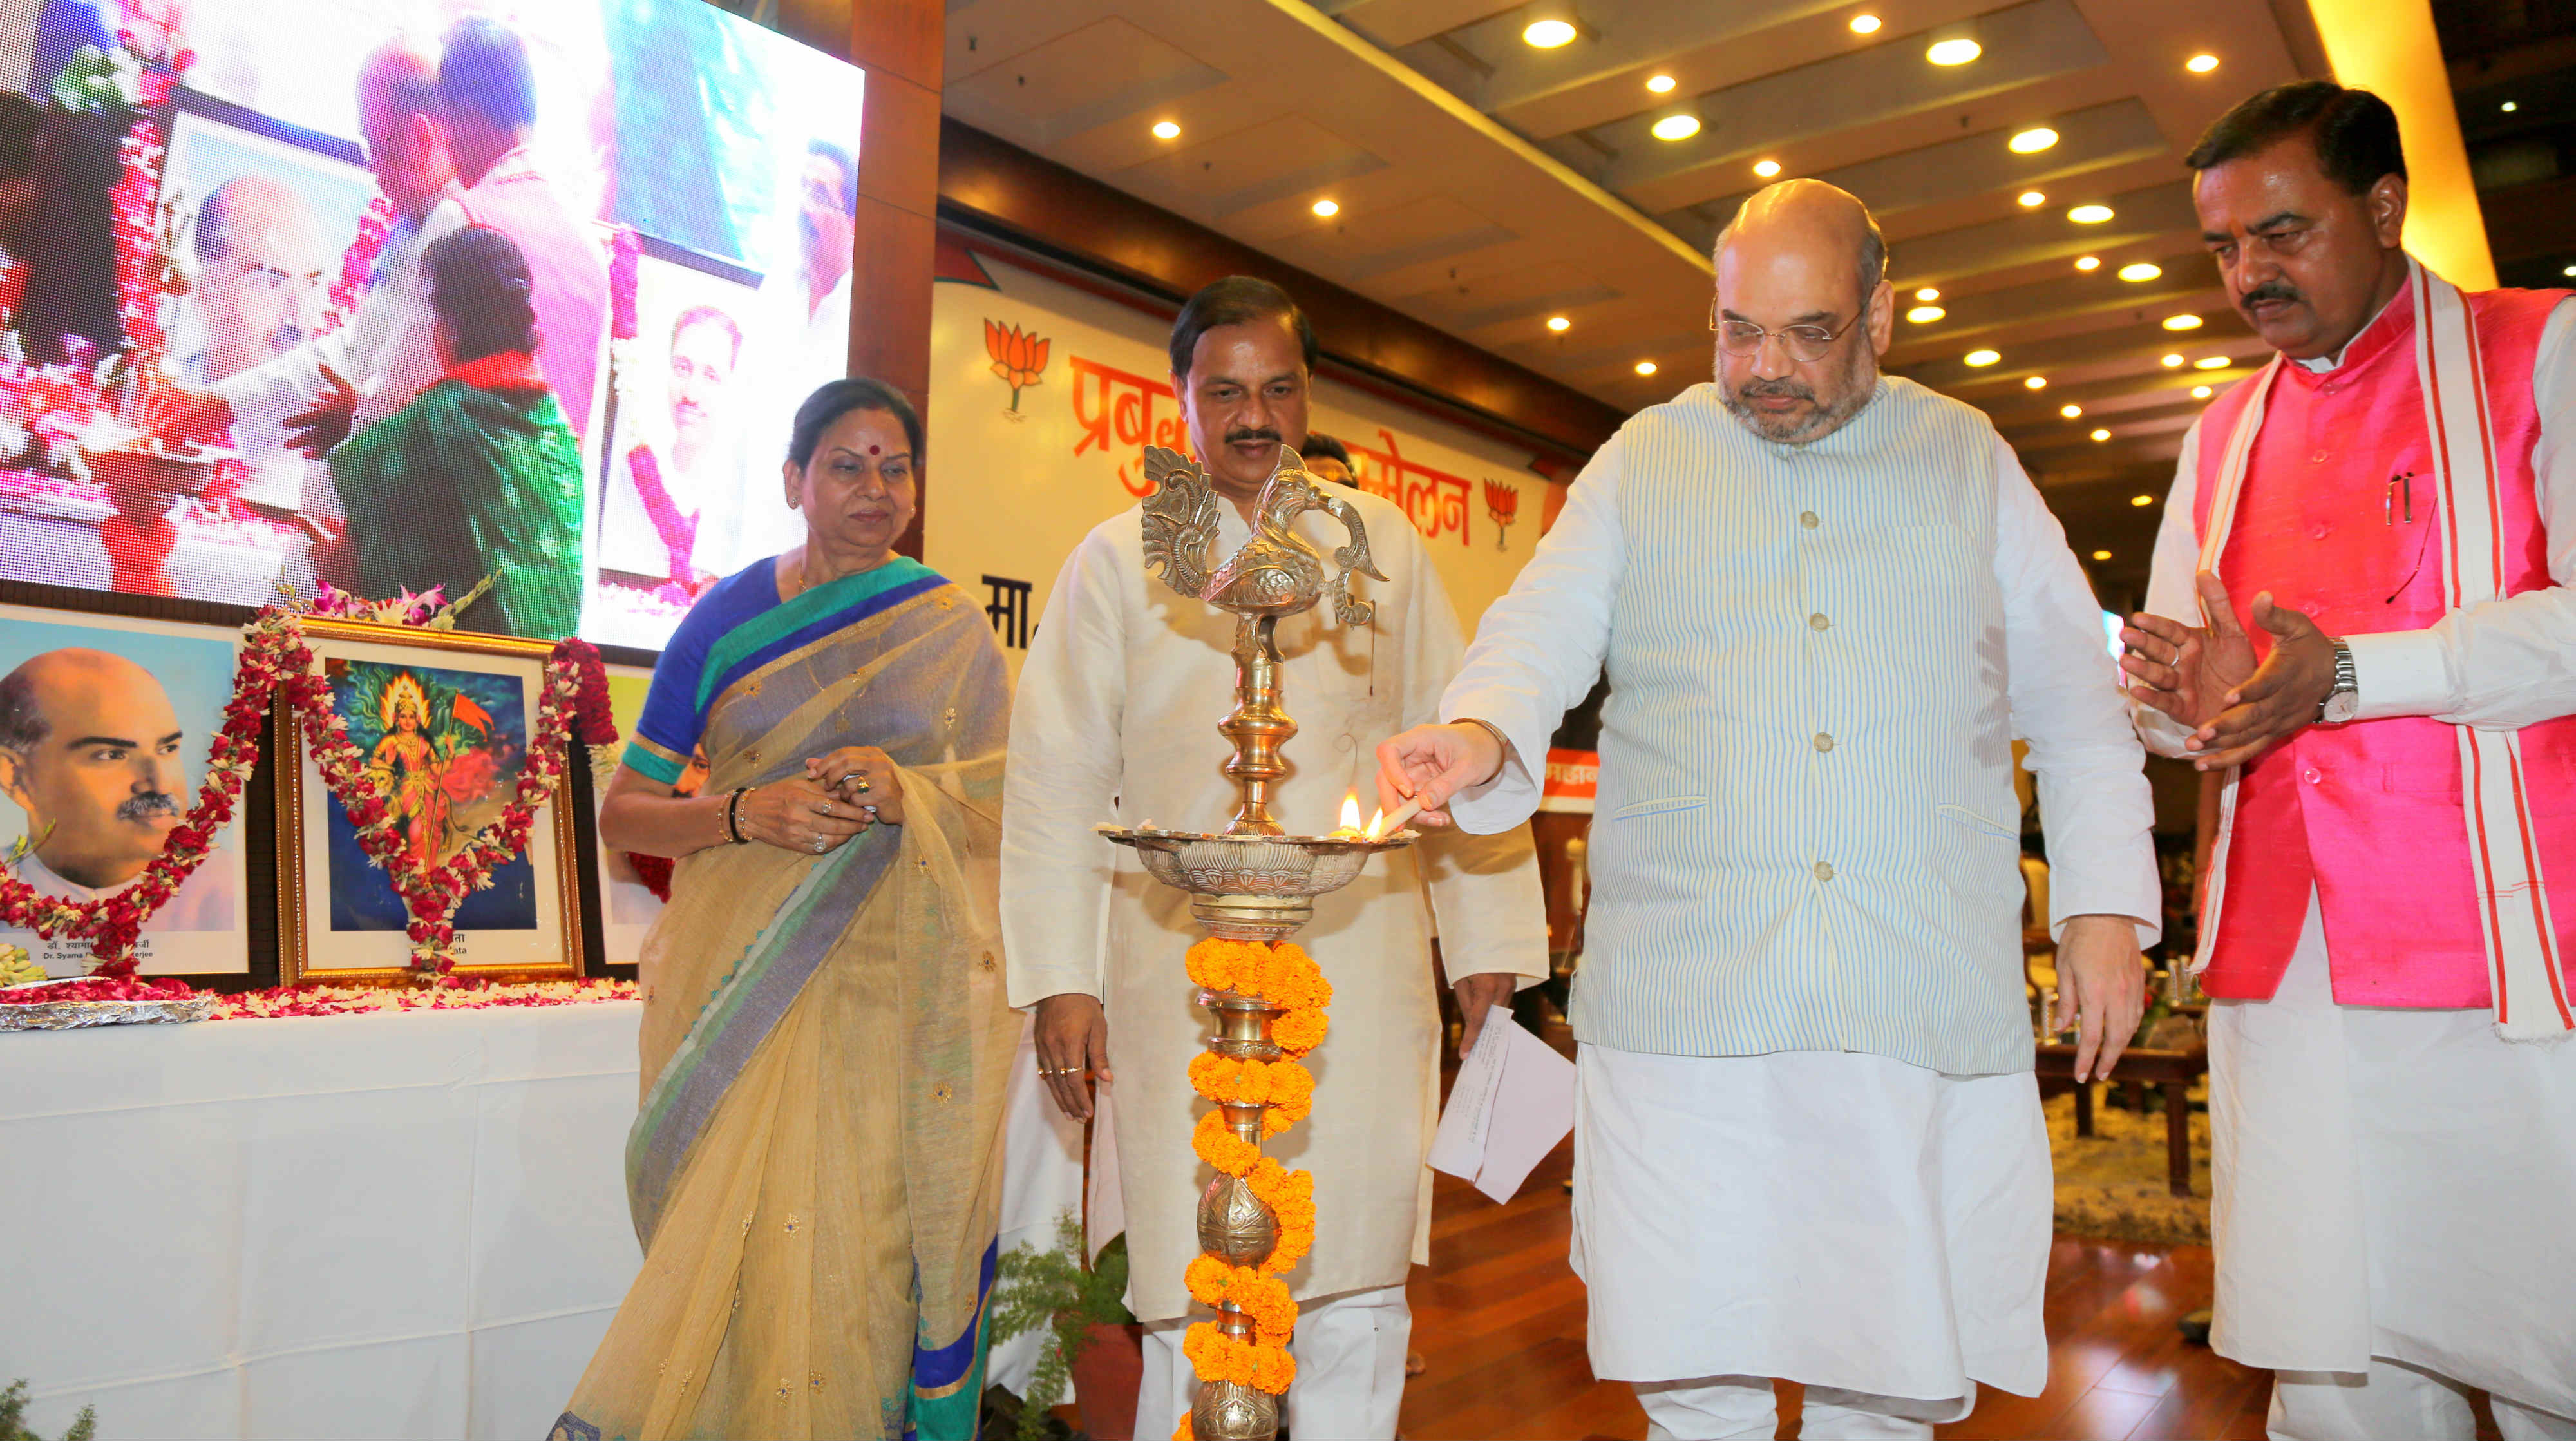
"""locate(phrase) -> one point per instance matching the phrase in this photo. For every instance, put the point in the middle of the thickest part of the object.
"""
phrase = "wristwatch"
(2344, 701)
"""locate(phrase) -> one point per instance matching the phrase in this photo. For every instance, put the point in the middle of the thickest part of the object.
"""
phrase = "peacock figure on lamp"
(1252, 887)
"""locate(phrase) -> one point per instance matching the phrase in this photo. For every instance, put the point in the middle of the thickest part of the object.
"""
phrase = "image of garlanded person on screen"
(827, 209)
(479, 475)
(93, 752)
(682, 521)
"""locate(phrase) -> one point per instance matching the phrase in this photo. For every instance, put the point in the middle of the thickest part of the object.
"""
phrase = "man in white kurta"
(2394, 1141)
(1116, 720)
(1808, 1144)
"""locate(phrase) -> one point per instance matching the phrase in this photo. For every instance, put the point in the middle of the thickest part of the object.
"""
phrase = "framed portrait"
(695, 405)
(106, 724)
(444, 719)
(627, 905)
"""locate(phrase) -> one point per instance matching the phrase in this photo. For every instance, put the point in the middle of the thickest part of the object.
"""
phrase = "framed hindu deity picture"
(443, 719)
(106, 729)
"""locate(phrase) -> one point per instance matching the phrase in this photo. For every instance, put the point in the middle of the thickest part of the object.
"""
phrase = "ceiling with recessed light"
(1544, 179)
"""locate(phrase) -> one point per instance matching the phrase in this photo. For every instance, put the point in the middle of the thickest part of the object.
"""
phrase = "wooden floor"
(1499, 1316)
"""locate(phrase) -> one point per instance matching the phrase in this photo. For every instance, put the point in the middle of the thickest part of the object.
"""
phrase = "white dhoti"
(1350, 1369)
(1041, 1183)
(2392, 1185)
(1838, 1219)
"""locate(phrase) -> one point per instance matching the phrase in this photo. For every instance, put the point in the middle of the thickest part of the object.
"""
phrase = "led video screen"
(388, 294)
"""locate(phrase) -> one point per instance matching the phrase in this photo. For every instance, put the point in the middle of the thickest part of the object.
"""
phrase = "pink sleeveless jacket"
(2370, 813)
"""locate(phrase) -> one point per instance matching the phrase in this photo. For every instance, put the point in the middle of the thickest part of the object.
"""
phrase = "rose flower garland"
(1284, 976)
(276, 664)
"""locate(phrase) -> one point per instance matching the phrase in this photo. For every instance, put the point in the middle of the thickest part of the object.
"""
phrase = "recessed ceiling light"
(1166, 130)
(2569, 271)
(2142, 500)
(2032, 200)
(1927, 294)
(2182, 322)
(1645, 367)
(1766, 168)
(2088, 262)
(2070, 410)
(2172, 362)
(2101, 555)
(1548, 34)
(2036, 382)
(1661, 84)
(1864, 24)
(1676, 127)
(2201, 64)
(2211, 362)
(2202, 392)
(1559, 324)
(2508, 107)
(2030, 142)
(1953, 52)
(2089, 214)
(1983, 357)
(1328, 208)
(2141, 270)
(1925, 314)
(2100, 434)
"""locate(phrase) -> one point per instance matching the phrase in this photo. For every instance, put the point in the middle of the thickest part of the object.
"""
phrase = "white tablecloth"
(390, 1226)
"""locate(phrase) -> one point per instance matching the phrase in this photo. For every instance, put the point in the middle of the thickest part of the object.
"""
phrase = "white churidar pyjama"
(1350, 1369)
(1743, 1408)
(1834, 1218)
(2392, 1184)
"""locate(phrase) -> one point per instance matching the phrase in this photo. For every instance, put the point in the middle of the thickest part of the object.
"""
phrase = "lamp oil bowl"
(1253, 887)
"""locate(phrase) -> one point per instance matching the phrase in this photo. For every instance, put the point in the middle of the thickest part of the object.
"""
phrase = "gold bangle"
(1502, 743)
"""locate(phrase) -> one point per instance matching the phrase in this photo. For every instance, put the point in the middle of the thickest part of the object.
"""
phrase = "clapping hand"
(2207, 678)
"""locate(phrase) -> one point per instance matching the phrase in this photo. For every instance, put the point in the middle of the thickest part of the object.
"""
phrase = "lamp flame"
(1376, 826)
(1351, 811)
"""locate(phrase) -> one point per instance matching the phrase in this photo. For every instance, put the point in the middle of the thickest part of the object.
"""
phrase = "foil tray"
(72, 1015)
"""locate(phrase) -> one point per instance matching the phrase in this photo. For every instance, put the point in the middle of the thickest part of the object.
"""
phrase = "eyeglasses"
(1805, 343)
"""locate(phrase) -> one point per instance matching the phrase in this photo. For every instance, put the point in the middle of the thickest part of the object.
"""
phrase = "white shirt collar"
(2319, 365)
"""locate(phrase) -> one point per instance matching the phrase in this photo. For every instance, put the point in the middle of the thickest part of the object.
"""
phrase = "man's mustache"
(2280, 290)
(1753, 389)
(147, 805)
(1237, 437)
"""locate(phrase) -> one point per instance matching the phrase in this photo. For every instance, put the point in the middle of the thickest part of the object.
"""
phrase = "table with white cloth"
(392, 1225)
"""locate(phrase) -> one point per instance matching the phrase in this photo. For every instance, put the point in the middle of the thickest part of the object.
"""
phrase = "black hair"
(836, 398)
(2355, 132)
(1319, 444)
(849, 171)
(1235, 300)
(479, 285)
(483, 68)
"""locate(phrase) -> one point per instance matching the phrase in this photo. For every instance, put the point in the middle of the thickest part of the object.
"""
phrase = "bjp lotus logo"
(1503, 505)
(1019, 358)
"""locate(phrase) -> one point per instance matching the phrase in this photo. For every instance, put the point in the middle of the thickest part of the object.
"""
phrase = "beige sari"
(816, 1171)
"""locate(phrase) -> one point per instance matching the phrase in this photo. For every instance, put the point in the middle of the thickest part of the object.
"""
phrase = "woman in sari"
(479, 476)
(816, 1170)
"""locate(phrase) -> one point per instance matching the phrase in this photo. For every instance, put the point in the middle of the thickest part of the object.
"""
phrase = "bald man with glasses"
(1808, 1143)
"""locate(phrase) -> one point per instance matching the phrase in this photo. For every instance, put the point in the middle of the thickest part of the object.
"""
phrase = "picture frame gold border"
(293, 955)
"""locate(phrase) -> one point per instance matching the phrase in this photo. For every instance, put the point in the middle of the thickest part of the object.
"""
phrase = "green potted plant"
(1095, 1342)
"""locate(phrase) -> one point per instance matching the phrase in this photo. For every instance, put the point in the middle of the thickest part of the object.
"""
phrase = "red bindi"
(875, 450)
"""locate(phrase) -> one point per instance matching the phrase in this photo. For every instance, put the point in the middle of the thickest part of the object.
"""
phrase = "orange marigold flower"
(1186, 1431)
(1298, 1032)
(1276, 1370)
(1218, 1147)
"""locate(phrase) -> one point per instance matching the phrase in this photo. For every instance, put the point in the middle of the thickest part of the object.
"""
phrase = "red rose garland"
(678, 533)
(142, 271)
(575, 690)
(358, 263)
(276, 663)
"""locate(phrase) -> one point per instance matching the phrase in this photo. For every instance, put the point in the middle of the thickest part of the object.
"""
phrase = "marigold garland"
(1285, 977)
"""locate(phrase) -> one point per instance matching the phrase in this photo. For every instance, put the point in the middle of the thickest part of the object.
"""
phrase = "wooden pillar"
(899, 43)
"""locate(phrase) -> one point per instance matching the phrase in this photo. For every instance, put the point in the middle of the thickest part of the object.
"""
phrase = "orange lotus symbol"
(1503, 504)
(1019, 357)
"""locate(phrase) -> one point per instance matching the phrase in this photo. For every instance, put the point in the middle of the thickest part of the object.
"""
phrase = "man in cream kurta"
(1116, 720)
(1807, 1140)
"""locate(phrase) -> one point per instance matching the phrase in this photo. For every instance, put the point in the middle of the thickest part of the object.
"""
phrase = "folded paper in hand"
(1512, 1102)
